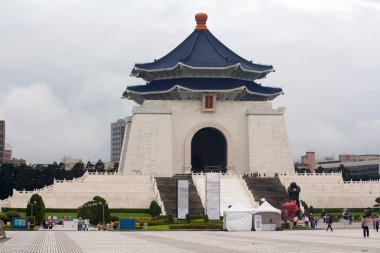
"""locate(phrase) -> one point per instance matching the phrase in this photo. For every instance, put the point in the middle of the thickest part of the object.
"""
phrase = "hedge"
(197, 226)
(339, 210)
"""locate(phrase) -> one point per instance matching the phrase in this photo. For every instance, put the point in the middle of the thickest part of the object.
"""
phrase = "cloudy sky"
(65, 64)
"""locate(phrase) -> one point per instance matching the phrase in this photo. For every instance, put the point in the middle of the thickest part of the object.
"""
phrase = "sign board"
(213, 196)
(19, 223)
(182, 198)
(258, 221)
(127, 224)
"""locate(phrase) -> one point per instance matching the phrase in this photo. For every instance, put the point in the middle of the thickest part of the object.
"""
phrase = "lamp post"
(31, 209)
(101, 203)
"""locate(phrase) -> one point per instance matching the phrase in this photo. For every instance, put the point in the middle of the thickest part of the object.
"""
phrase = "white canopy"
(238, 218)
(267, 208)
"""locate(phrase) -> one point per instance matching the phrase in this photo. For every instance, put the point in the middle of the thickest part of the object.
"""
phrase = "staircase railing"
(158, 196)
(248, 191)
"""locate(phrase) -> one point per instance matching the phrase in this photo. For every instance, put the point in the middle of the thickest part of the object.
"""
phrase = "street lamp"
(31, 208)
(101, 203)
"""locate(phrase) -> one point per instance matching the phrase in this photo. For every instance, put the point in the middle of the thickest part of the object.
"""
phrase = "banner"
(182, 199)
(213, 196)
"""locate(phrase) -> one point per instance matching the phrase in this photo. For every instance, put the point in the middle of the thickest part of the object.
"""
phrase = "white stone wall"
(162, 130)
(269, 150)
(149, 146)
(120, 191)
(330, 191)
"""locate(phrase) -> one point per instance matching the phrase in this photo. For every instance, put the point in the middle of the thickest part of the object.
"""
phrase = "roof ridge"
(215, 47)
(192, 47)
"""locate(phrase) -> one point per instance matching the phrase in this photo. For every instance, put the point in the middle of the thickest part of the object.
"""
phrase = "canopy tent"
(238, 218)
(267, 217)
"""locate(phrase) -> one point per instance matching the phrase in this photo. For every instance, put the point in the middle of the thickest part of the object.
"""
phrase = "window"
(208, 102)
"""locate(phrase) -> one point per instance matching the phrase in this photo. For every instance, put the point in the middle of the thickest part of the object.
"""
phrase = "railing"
(74, 193)
(157, 193)
(248, 191)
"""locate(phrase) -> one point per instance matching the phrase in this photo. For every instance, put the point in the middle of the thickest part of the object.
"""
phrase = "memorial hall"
(202, 116)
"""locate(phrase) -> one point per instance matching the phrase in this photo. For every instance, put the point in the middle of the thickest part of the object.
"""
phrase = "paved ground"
(343, 240)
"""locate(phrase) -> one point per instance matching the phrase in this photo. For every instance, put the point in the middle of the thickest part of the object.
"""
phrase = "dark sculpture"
(294, 195)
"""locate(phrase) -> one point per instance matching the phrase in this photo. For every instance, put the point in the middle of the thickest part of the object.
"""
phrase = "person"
(374, 222)
(377, 223)
(323, 213)
(312, 222)
(366, 222)
(306, 220)
(329, 221)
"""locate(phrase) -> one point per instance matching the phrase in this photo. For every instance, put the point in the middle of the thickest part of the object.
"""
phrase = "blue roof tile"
(202, 49)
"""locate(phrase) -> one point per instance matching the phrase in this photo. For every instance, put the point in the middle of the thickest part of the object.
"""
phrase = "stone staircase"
(269, 188)
(167, 187)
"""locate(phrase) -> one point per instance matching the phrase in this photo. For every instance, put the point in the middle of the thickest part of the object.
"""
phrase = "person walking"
(329, 221)
(377, 223)
(366, 222)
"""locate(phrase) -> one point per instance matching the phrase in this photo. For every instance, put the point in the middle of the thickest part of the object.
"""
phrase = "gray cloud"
(65, 64)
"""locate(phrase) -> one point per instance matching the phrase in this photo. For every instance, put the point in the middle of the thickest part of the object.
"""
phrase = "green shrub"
(31, 219)
(197, 216)
(285, 225)
(37, 204)
(154, 209)
(304, 205)
(4, 217)
(12, 214)
(94, 210)
(170, 218)
(188, 218)
(114, 218)
(205, 218)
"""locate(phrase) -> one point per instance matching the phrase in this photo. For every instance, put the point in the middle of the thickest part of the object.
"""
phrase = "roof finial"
(201, 19)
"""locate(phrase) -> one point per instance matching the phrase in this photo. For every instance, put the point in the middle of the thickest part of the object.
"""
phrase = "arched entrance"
(208, 150)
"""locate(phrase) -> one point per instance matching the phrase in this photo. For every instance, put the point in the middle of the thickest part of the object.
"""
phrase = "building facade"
(2, 140)
(117, 136)
(202, 110)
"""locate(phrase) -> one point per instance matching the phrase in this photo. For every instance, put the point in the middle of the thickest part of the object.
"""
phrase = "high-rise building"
(117, 136)
(2, 140)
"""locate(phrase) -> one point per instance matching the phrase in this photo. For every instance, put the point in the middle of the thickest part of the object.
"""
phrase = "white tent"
(267, 217)
(238, 218)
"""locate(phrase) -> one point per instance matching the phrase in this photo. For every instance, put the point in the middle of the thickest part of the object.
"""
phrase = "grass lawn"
(61, 214)
(158, 228)
(131, 215)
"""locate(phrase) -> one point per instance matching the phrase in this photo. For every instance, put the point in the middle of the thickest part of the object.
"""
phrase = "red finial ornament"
(201, 19)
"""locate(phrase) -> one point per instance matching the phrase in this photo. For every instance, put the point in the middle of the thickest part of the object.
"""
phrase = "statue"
(294, 195)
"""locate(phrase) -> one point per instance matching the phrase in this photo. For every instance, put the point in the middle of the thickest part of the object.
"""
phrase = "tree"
(89, 166)
(99, 166)
(154, 209)
(37, 206)
(93, 210)
(377, 200)
(319, 169)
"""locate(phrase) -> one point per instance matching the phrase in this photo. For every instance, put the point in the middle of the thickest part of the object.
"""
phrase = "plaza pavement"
(310, 241)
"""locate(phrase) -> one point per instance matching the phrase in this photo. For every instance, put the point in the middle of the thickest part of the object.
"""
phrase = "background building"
(2, 140)
(117, 136)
